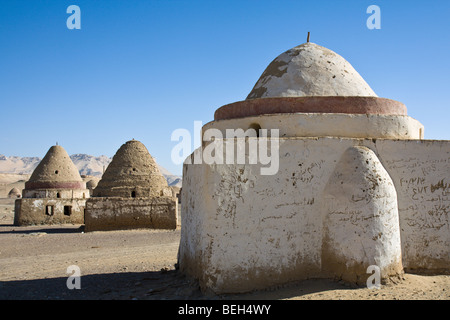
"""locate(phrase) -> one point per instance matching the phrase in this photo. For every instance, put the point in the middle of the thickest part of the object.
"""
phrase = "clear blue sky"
(141, 69)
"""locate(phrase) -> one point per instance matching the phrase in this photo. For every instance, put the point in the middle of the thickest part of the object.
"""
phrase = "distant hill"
(90, 165)
(86, 164)
(24, 165)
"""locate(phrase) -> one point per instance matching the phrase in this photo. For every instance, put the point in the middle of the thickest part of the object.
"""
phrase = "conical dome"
(56, 170)
(310, 70)
(131, 173)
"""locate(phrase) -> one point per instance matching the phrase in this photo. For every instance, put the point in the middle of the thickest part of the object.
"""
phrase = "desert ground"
(140, 265)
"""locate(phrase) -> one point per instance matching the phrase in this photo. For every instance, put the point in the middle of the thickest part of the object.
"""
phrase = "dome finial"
(307, 39)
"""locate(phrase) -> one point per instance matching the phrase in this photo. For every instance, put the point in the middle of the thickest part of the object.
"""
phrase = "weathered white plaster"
(38, 204)
(243, 231)
(420, 172)
(310, 70)
(329, 125)
(360, 222)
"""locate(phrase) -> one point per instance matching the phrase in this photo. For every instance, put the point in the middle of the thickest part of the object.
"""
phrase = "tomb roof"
(56, 170)
(310, 70)
(131, 169)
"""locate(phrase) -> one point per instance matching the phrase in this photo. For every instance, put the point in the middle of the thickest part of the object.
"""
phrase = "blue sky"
(141, 69)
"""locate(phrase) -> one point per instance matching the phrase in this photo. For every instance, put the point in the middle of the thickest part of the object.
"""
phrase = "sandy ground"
(140, 264)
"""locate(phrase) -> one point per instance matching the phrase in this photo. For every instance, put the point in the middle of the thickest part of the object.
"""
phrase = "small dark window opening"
(58, 195)
(49, 210)
(67, 210)
(56, 171)
(255, 127)
(134, 169)
(133, 194)
(84, 196)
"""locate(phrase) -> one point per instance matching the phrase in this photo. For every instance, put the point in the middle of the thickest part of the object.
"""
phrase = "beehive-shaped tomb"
(55, 192)
(132, 193)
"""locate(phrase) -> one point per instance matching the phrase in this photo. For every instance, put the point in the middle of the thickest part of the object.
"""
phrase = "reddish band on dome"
(33, 185)
(349, 105)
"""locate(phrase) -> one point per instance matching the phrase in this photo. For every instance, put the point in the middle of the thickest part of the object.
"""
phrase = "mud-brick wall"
(124, 213)
(30, 211)
(56, 193)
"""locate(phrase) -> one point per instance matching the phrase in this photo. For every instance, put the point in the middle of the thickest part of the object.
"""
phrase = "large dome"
(311, 91)
(310, 70)
(131, 173)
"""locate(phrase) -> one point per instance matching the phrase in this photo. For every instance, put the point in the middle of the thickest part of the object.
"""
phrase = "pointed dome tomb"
(131, 194)
(132, 173)
(55, 192)
(57, 175)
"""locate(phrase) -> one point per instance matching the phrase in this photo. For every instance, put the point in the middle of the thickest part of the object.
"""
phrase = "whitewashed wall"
(243, 231)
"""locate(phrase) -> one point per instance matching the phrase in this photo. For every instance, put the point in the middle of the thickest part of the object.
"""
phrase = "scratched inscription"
(230, 190)
(306, 173)
(424, 189)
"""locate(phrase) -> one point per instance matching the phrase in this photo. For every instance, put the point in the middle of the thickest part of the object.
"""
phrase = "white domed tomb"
(313, 176)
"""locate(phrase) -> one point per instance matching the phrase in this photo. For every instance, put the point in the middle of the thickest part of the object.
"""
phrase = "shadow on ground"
(297, 289)
(116, 286)
(152, 285)
(24, 230)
